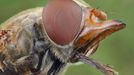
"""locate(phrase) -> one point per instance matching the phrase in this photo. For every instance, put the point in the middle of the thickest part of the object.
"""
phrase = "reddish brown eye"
(62, 20)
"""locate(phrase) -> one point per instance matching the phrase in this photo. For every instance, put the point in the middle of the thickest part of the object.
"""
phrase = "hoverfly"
(43, 41)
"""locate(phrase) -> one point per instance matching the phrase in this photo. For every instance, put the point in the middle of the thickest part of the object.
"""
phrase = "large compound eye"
(62, 20)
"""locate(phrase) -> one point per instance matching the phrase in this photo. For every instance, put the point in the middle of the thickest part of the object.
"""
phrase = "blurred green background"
(117, 50)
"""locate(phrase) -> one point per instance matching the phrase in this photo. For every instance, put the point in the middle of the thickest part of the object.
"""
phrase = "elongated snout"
(99, 31)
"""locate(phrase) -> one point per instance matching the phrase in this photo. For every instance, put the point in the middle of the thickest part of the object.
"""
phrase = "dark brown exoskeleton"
(42, 41)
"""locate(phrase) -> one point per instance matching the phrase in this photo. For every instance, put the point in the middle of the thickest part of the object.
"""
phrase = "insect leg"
(106, 69)
(56, 66)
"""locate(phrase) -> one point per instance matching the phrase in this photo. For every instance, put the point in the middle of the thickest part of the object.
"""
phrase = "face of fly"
(96, 28)
(82, 28)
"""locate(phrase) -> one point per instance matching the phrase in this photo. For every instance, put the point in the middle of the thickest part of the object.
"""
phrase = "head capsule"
(71, 22)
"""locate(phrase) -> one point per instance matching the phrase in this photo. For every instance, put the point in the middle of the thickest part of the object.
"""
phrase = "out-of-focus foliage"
(117, 49)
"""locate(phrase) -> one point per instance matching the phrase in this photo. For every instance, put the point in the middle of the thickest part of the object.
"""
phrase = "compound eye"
(62, 20)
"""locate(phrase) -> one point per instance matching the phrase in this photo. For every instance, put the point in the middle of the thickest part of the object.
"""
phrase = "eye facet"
(62, 20)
